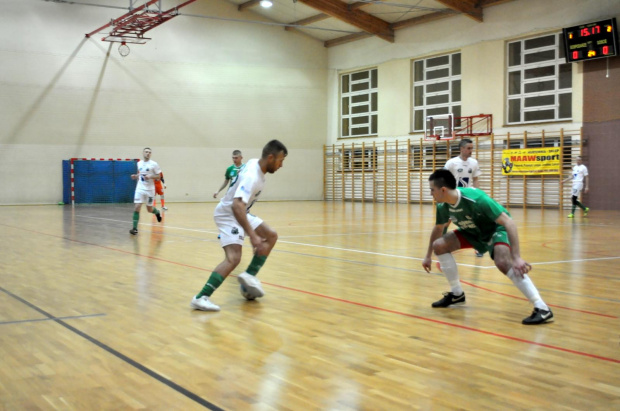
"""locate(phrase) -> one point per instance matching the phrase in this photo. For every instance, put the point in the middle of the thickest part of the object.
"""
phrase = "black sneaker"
(479, 254)
(538, 317)
(448, 299)
(158, 215)
(133, 231)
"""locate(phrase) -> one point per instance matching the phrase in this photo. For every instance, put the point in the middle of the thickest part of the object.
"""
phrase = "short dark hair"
(443, 178)
(147, 148)
(274, 147)
(464, 142)
(236, 153)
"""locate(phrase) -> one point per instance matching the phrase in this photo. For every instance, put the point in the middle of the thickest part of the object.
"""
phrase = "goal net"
(92, 180)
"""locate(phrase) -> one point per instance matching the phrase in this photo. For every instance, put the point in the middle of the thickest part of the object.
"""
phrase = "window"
(359, 104)
(539, 80)
(358, 160)
(436, 88)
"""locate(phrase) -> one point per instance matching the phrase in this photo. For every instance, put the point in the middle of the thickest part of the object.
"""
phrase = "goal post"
(98, 180)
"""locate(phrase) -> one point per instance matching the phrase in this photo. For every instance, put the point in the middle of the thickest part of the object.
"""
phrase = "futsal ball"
(245, 293)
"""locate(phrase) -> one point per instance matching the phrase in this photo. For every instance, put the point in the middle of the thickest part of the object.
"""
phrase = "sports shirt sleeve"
(442, 216)
(489, 207)
(245, 190)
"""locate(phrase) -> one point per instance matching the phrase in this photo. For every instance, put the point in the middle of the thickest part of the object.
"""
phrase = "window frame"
(453, 82)
(353, 113)
(553, 98)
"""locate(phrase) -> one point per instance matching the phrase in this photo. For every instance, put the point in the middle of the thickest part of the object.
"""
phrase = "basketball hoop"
(123, 49)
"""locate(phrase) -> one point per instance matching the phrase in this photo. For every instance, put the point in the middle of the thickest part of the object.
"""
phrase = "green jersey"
(474, 213)
(231, 173)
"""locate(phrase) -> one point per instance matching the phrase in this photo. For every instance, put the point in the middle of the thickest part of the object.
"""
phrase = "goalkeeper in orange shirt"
(160, 185)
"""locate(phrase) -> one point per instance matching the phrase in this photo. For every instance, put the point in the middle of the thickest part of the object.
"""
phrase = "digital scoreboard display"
(591, 41)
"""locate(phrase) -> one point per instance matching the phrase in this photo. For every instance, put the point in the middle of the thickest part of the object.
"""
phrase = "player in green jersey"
(483, 224)
(231, 171)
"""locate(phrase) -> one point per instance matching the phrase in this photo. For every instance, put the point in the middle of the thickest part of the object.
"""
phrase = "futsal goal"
(98, 180)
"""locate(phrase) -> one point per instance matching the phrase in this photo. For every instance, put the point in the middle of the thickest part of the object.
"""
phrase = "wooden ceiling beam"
(351, 15)
(248, 4)
(470, 8)
(346, 39)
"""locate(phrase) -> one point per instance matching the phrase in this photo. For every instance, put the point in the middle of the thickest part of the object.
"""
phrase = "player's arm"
(435, 234)
(239, 208)
(519, 265)
(135, 176)
(224, 184)
(570, 177)
(476, 182)
(587, 186)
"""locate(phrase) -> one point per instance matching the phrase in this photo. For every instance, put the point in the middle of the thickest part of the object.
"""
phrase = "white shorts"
(143, 197)
(231, 231)
(577, 187)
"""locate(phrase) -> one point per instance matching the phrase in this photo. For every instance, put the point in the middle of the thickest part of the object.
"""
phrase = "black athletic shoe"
(133, 231)
(538, 317)
(479, 254)
(448, 299)
(158, 215)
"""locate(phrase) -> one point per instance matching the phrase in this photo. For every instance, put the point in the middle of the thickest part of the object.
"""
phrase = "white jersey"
(579, 173)
(247, 185)
(463, 170)
(150, 168)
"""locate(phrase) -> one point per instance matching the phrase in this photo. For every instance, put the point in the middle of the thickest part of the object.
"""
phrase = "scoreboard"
(591, 41)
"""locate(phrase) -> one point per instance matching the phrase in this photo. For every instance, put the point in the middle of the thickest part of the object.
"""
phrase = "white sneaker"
(203, 304)
(251, 284)
(165, 208)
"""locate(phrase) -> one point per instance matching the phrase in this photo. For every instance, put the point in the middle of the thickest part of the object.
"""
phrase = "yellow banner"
(531, 161)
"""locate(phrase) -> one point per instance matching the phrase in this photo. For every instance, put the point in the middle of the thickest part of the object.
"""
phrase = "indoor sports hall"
(369, 97)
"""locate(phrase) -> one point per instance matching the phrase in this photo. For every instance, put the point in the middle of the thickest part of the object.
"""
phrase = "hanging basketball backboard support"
(448, 127)
(130, 27)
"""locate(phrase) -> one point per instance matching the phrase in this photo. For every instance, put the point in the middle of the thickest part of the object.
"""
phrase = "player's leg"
(231, 239)
(151, 209)
(231, 260)
(575, 199)
(138, 200)
(248, 278)
(503, 261)
(443, 248)
(163, 202)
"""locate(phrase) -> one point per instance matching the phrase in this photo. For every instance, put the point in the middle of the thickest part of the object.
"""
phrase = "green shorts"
(469, 241)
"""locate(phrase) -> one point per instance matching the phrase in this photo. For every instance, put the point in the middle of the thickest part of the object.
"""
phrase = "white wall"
(199, 89)
(482, 47)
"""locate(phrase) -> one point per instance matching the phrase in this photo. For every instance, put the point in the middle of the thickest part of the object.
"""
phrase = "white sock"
(450, 270)
(527, 287)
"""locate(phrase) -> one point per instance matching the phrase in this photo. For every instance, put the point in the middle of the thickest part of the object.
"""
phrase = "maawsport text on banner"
(531, 161)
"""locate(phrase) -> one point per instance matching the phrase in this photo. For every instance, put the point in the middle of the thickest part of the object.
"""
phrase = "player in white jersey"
(465, 169)
(148, 172)
(234, 222)
(579, 176)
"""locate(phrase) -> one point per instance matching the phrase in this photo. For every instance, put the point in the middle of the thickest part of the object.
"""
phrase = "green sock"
(136, 218)
(256, 263)
(212, 284)
(155, 211)
(581, 205)
(573, 212)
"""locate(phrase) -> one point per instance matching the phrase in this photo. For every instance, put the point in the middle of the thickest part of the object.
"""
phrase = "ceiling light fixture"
(266, 3)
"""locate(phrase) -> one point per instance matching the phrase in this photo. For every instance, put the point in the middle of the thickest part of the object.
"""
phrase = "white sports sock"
(450, 270)
(527, 287)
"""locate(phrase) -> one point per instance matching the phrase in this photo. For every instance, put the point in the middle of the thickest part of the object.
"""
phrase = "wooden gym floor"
(94, 318)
